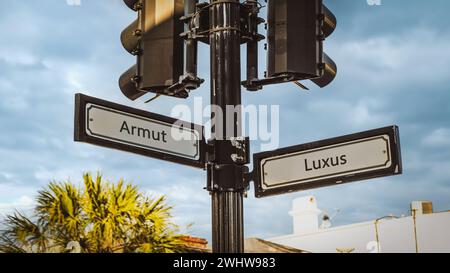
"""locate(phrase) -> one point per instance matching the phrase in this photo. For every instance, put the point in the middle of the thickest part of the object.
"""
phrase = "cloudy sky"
(394, 68)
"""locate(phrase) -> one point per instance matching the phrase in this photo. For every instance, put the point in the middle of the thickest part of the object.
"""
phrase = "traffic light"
(154, 38)
(296, 33)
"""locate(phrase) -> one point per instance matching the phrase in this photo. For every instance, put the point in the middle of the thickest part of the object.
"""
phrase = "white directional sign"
(115, 126)
(356, 157)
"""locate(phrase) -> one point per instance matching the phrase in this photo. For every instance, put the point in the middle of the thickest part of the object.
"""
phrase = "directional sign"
(123, 128)
(339, 160)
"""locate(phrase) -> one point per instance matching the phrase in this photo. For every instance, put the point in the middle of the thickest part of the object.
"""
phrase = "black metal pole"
(225, 177)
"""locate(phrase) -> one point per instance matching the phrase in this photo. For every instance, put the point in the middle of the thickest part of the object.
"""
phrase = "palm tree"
(99, 218)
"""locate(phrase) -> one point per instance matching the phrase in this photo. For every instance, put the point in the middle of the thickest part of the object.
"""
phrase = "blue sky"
(394, 68)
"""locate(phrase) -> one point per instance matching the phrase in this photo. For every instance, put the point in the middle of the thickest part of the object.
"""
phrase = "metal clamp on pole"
(249, 176)
(233, 155)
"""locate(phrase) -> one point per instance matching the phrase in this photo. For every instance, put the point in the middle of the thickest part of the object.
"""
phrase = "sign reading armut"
(344, 159)
(119, 127)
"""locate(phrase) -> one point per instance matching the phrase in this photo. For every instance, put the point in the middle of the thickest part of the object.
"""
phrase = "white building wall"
(394, 236)
(434, 232)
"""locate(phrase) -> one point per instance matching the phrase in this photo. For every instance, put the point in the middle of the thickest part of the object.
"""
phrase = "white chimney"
(421, 207)
(305, 215)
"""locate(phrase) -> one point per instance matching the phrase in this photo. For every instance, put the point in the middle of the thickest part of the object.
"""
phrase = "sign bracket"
(234, 156)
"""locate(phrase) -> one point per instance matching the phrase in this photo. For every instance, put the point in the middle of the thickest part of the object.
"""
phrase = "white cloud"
(185, 197)
(362, 113)
(23, 203)
(11, 191)
(419, 55)
(44, 176)
(368, 113)
(18, 57)
(438, 138)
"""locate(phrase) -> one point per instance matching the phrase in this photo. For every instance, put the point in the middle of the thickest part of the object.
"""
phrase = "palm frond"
(8, 245)
(24, 233)
(100, 217)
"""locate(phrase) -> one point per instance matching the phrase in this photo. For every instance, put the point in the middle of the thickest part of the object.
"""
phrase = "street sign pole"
(225, 178)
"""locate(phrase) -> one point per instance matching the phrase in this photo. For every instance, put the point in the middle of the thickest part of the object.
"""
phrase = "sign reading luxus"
(119, 127)
(344, 159)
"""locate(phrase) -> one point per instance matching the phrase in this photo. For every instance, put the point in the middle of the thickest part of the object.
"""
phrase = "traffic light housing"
(154, 38)
(296, 32)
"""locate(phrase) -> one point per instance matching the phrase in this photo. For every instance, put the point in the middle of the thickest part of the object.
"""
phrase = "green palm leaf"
(100, 217)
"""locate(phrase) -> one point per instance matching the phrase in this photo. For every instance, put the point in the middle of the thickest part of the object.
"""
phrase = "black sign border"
(395, 169)
(80, 134)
